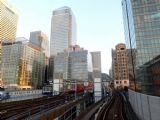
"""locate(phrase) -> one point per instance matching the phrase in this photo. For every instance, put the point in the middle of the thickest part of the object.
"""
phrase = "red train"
(80, 88)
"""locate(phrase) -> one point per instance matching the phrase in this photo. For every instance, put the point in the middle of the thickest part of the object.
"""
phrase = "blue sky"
(99, 22)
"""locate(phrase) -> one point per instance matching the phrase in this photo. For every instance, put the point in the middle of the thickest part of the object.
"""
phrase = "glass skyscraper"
(41, 40)
(71, 68)
(8, 25)
(8, 21)
(63, 30)
(22, 65)
(142, 32)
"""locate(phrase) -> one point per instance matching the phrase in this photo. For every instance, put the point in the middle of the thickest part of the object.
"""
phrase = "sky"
(99, 22)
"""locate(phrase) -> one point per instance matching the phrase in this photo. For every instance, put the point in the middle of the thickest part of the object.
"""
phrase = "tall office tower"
(96, 61)
(120, 66)
(41, 40)
(8, 25)
(8, 21)
(81, 64)
(142, 24)
(22, 65)
(63, 30)
(72, 68)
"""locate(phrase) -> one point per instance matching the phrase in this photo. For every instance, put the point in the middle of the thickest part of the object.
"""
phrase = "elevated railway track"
(114, 109)
(44, 108)
(22, 109)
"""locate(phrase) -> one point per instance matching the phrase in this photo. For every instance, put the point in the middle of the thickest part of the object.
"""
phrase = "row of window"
(144, 2)
(148, 8)
(120, 82)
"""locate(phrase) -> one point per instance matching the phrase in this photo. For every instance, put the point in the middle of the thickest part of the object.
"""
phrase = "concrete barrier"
(146, 107)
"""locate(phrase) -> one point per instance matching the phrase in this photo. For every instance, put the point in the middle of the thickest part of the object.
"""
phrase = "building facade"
(8, 19)
(8, 24)
(60, 74)
(72, 68)
(131, 55)
(63, 30)
(11, 54)
(96, 61)
(150, 71)
(22, 65)
(141, 25)
(120, 66)
(41, 40)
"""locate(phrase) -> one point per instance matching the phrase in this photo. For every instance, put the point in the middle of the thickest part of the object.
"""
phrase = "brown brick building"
(120, 65)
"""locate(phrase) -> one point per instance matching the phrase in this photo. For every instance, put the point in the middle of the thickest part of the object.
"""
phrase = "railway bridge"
(66, 107)
(45, 108)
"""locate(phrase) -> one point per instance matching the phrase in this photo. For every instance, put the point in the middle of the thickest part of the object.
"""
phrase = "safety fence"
(146, 107)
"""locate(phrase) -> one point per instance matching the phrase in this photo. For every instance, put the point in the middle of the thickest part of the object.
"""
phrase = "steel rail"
(114, 109)
(21, 108)
(37, 110)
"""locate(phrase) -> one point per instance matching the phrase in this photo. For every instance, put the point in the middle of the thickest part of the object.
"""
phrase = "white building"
(96, 60)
